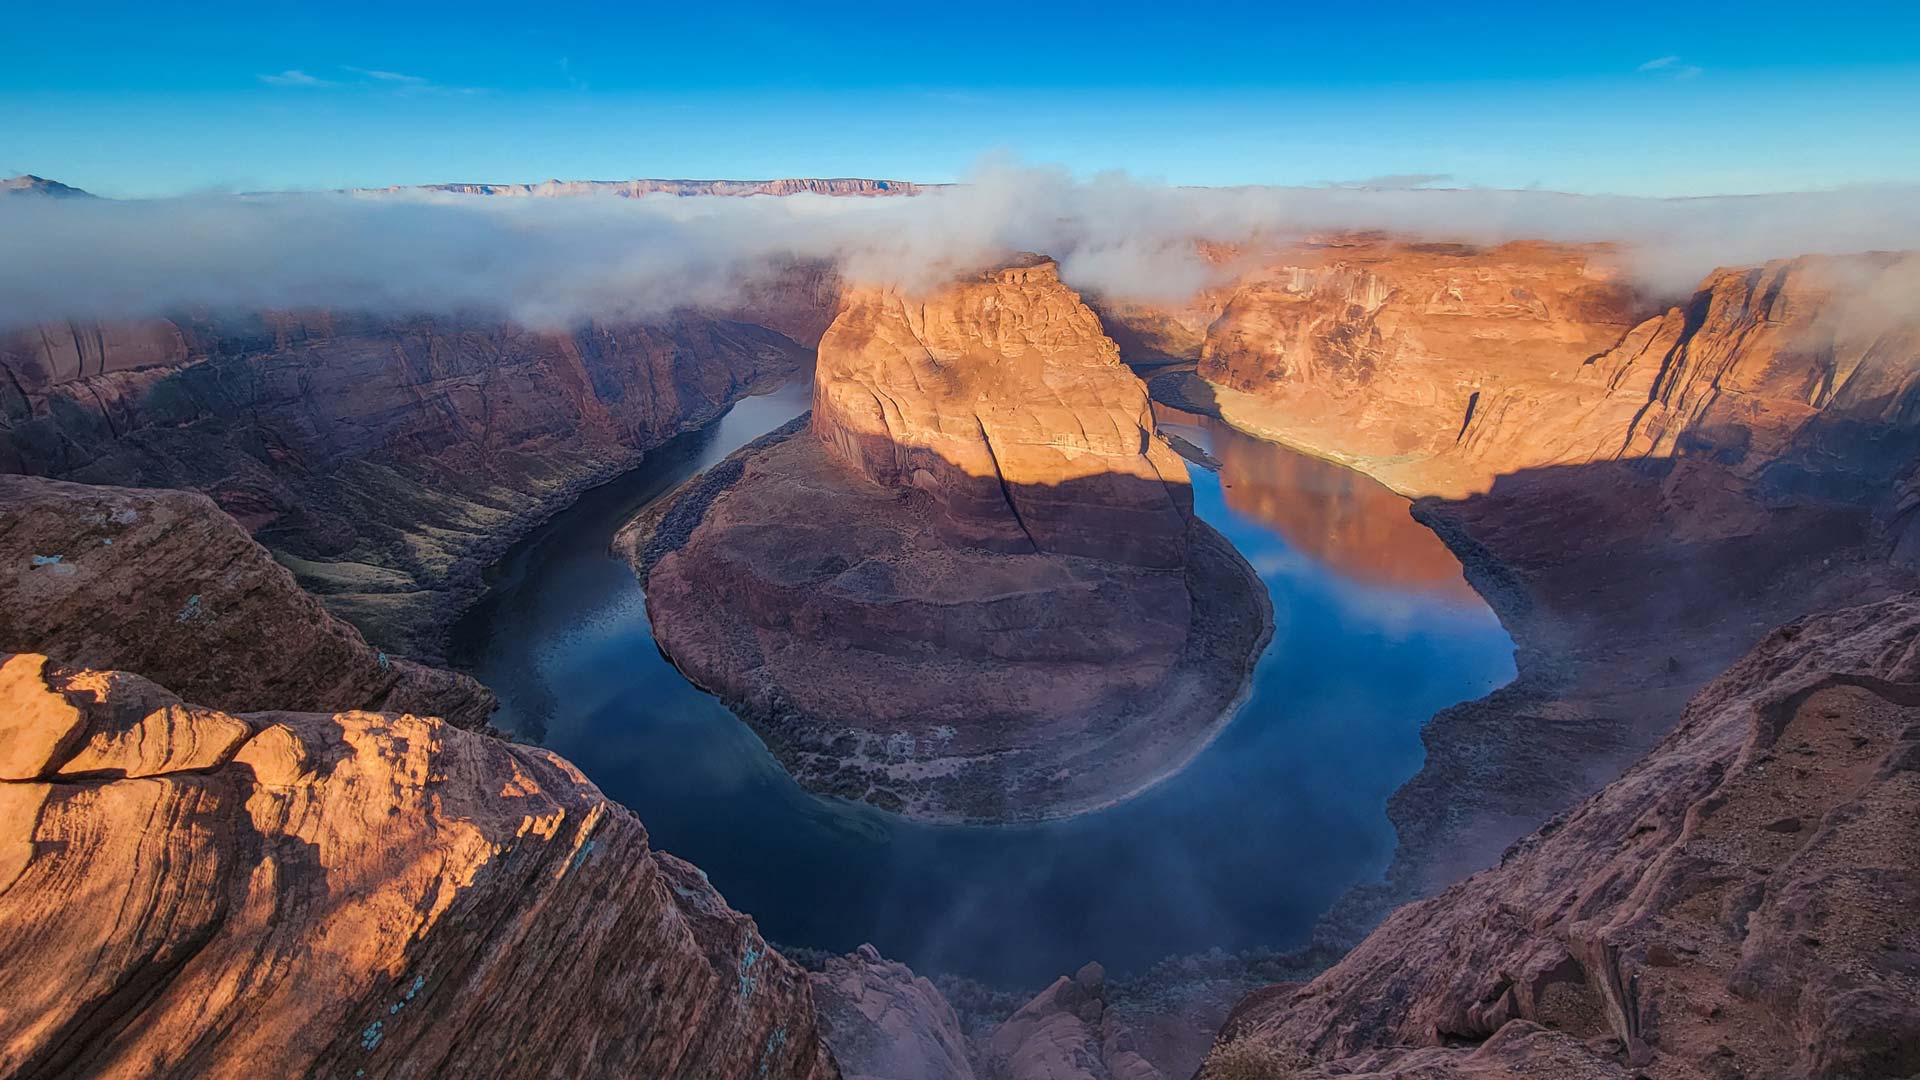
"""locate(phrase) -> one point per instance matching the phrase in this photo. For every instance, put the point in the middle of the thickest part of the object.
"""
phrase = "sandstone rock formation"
(385, 461)
(1745, 901)
(974, 589)
(1005, 402)
(1068, 1033)
(164, 582)
(1439, 367)
(1629, 566)
(356, 894)
(883, 1022)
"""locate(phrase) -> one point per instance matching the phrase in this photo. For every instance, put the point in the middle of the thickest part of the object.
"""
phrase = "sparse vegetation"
(1249, 1059)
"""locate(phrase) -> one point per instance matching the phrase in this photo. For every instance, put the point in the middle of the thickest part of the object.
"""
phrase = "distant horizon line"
(13, 184)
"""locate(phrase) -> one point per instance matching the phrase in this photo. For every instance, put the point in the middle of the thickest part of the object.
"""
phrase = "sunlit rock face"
(1006, 402)
(1438, 368)
(972, 587)
(164, 582)
(1739, 903)
(349, 894)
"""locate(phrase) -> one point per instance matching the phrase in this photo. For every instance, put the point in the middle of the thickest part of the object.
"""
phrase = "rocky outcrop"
(1745, 901)
(384, 461)
(1068, 1033)
(1004, 401)
(164, 582)
(973, 588)
(39, 186)
(883, 1022)
(355, 894)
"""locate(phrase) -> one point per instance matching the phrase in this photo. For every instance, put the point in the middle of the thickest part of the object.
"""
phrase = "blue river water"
(1374, 632)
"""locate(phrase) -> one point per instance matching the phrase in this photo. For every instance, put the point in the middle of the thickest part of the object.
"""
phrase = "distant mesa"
(29, 184)
(634, 189)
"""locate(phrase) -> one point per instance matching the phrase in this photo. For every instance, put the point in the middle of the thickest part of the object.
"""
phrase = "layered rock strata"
(164, 582)
(972, 587)
(1744, 901)
(349, 894)
(1631, 570)
(385, 461)
(1437, 368)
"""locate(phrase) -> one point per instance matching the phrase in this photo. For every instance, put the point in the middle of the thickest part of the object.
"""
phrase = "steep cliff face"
(356, 894)
(1005, 402)
(973, 588)
(385, 461)
(164, 582)
(1382, 352)
(1742, 902)
(1439, 371)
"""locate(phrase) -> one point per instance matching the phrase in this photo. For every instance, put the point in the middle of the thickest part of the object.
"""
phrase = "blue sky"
(1663, 99)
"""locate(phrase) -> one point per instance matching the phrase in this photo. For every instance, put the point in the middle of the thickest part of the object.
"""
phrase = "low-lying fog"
(553, 261)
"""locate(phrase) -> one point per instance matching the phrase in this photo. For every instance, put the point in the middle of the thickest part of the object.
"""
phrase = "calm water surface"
(1375, 631)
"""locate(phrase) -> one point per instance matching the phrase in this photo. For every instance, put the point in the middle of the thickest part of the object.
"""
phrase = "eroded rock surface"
(1005, 402)
(1437, 368)
(972, 587)
(385, 461)
(349, 894)
(883, 1022)
(164, 582)
(1745, 901)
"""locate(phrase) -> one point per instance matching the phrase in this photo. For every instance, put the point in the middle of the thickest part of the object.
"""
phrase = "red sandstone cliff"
(1439, 367)
(1745, 901)
(164, 582)
(1004, 400)
(355, 894)
(974, 587)
(385, 461)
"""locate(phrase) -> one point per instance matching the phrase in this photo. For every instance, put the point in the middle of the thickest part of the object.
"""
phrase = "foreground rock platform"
(352, 894)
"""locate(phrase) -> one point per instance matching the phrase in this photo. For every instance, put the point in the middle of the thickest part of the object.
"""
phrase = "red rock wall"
(386, 460)
(355, 894)
(1003, 398)
(1741, 902)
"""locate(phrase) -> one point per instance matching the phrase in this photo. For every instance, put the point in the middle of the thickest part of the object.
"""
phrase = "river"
(1374, 632)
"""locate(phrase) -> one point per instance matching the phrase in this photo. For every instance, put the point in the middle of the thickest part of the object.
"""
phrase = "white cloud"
(293, 77)
(1670, 65)
(556, 260)
(390, 76)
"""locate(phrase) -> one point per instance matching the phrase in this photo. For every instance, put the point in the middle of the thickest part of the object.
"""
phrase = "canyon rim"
(614, 542)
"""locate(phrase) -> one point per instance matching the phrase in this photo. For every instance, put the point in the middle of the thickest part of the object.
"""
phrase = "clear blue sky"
(1668, 98)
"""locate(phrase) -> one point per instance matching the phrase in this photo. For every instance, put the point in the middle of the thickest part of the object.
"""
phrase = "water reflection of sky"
(1244, 847)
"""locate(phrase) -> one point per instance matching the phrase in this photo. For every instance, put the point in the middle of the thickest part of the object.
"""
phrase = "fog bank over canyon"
(634, 250)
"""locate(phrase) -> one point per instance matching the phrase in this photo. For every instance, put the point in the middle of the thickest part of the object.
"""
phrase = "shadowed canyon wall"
(1739, 903)
(385, 461)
